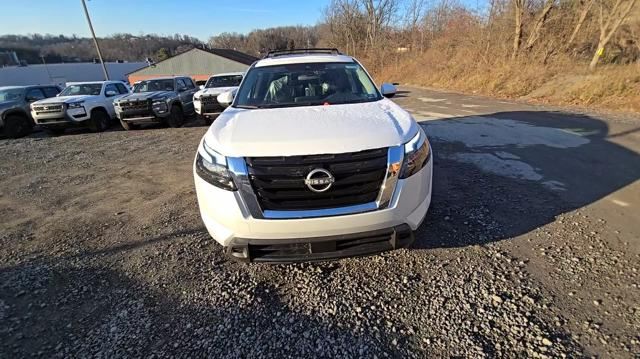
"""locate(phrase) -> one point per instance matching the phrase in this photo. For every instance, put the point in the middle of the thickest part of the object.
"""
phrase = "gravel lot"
(531, 249)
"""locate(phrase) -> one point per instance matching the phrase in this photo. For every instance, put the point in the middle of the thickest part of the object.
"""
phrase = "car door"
(186, 95)
(111, 93)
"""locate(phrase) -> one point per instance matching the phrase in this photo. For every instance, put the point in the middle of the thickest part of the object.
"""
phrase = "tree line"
(37, 48)
(542, 31)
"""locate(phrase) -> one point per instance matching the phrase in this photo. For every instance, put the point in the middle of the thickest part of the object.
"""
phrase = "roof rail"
(275, 53)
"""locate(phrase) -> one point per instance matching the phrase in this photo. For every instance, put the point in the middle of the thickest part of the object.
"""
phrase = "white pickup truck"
(205, 101)
(79, 104)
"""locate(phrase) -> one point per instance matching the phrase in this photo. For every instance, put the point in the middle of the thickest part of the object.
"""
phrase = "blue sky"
(199, 18)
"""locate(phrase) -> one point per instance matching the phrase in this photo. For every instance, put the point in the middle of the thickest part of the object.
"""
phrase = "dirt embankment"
(614, 87)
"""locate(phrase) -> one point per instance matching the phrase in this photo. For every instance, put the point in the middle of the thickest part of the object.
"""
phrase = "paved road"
(530, 249)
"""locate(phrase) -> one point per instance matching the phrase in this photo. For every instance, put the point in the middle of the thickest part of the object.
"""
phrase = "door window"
(110, 87)
(51, 91)
(35, 95)
(122, 89)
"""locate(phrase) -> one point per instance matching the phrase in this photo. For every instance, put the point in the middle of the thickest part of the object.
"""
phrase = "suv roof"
(91, 82)
(167, 78)
(25, 87)
(228, 74)
(298, 56)
(302, 59)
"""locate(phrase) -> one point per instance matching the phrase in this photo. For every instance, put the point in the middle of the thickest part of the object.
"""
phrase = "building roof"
(229, 54)
(233, 55)
(303, 59)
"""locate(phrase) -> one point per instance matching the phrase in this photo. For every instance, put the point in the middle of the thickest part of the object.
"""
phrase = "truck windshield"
(224, 81)
(10, 94)
(82, 89)
(154, 85)
(306, 85)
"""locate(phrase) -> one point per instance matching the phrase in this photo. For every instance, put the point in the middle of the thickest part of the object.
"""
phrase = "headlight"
(158, 101)
(416, 154)
(212, 167)
(196, 97)
(75, 105)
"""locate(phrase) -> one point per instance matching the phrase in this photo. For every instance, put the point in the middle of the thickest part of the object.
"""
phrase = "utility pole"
(95, 41)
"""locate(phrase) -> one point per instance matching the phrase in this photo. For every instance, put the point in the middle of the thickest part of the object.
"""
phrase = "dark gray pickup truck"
(15, 114)
(166, 100)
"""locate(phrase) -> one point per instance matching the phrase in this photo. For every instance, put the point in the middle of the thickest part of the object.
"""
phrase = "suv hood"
(214, 91)
(146, 95)
(66, 99)
(310, 130)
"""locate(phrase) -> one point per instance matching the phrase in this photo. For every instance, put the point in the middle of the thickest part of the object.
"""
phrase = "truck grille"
(133, 109)
(54, 108)
(209, 100)
(279, 182)
(135, 105)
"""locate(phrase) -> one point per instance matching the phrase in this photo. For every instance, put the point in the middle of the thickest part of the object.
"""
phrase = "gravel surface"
(102, 254)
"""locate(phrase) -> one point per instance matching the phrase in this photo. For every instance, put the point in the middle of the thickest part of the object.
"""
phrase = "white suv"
(205, 101)
(312, 162)
(79, 104)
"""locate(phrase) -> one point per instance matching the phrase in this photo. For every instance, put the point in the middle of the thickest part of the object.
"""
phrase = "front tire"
(99, 121)
(176, 117)
(16, 126)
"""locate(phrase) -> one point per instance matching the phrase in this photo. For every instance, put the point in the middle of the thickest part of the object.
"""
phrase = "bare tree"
(537, 27)
(615, 17)
(583, 15)
(517, 39)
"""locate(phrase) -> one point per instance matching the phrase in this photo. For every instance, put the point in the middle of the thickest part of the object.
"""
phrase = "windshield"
(154, 85)
(306, 85)
(224, 81)
(11, 94)
(82, 89)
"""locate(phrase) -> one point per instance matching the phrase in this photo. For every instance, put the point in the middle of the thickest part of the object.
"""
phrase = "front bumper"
(66, 118)
(320, 248)
(230, 223)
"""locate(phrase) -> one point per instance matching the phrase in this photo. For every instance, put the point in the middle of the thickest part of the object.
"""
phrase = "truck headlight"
(159, 104)
(212, 167)
(73, 105)
(416, 154)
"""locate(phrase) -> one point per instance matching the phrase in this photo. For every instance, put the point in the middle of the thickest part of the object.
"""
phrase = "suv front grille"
(133, 109)
(279, 182)
(209, 100)
(135, 105)
(53, 108)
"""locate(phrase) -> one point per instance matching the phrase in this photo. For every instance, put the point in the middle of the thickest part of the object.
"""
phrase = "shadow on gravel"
(505, 174)
(62, 310)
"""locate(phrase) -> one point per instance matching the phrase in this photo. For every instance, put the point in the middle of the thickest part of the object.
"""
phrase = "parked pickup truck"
(87, 104)
(205, 101)
(165, 100)
(15, 116)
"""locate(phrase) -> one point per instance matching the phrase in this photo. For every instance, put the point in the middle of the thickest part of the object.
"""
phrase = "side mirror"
(111, 93)
(31, 99)
(226, 98)
(201, 87)
(182, 89)
(388, 90)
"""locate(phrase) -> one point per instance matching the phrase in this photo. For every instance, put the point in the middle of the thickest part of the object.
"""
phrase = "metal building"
(59, 74)
(197, 63)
